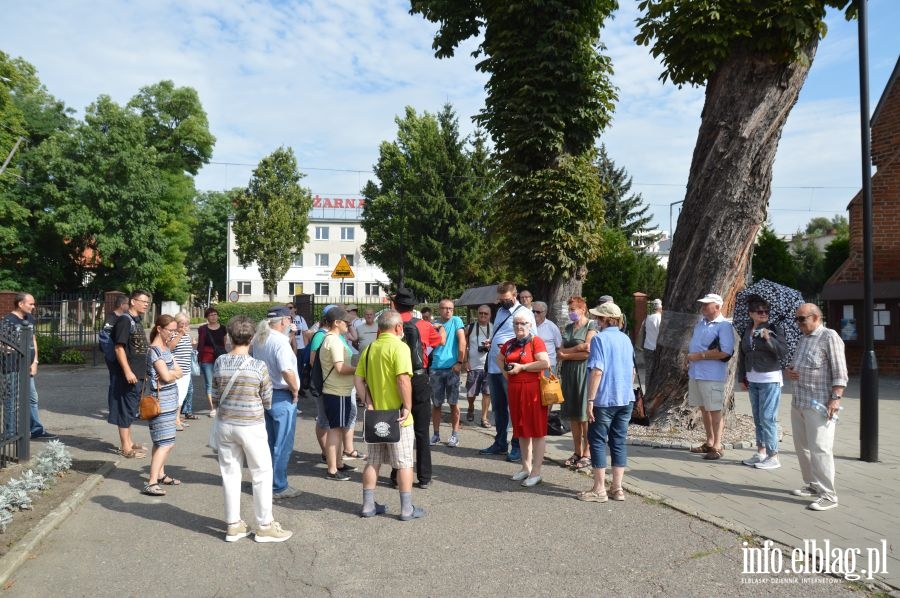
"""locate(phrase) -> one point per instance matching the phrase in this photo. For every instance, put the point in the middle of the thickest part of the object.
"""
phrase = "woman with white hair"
(182, 348)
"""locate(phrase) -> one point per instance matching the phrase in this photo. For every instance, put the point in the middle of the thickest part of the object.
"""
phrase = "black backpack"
(412, 338)
(316, 378)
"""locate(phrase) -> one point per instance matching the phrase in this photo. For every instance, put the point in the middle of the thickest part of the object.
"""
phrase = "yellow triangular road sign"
(342, 270)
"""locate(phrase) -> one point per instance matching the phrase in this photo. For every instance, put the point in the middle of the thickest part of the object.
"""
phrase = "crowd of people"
(397, 360)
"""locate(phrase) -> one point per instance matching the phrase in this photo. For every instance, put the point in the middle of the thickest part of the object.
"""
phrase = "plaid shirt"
(821, 363)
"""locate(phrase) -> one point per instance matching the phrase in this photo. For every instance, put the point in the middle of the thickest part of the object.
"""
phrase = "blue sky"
(328, 77)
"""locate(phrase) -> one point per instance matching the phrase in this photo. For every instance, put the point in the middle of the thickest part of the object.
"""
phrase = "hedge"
(256, 311)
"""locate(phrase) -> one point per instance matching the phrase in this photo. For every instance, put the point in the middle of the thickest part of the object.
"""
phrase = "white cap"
(711, 298)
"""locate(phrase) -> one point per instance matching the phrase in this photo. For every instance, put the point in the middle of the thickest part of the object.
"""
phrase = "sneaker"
(338, 476)
(454, 440)
(236, 531)
(272, 533)
(422, 485)
(44, 436)
(756, 458)
(806, 491)
(493, 450)
(770, 462)
(435, 439)
(346, 467)
(288, 492)
(823, 504)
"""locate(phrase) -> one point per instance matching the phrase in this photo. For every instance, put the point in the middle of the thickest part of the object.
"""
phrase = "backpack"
(106, 344)
(316, 379)
(412, 338)
(305, 366)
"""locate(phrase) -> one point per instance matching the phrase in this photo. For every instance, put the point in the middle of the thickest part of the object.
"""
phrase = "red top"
(205, 338)
(524, 355)
(430, 337)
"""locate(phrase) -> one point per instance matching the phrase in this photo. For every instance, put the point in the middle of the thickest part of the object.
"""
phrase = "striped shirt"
(821, 363)
(182, 352)
(250, 394)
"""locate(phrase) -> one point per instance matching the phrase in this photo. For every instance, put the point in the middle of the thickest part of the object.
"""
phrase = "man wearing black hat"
(272, 345)
(429, 336)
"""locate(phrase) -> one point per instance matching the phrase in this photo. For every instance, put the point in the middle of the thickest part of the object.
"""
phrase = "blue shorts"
(338, 410)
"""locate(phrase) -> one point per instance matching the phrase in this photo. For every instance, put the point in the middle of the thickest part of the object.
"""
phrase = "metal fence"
(72, 318)
(15, 386)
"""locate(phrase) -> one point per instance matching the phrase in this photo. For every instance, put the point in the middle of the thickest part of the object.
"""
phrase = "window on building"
(243, 287)
(321, 233)
(322, 288)
(349, 257)
(372, 289)
(321, 259)
(349, 289)
(348, 233)
(295, 288)
(297, 260)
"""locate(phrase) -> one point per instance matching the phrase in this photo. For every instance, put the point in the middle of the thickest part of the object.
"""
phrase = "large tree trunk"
(557, 293)
(747, 103)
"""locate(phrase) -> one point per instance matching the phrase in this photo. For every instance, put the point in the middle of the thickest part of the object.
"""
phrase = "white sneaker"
(435, 439)
(806, 491)
(756, 458)
(272, 533)
(823, 504)
(236, 531)
(770, 462)
(454, 440)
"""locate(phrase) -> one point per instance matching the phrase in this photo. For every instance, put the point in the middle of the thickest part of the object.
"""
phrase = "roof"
(895, 75)
(478, 296)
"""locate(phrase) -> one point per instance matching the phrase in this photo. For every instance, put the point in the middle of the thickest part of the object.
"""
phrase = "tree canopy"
(548, 97)
(271, 217)
(624, 211)
(419, 217)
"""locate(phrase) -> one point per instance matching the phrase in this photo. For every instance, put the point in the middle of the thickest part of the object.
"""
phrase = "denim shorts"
(444, 387)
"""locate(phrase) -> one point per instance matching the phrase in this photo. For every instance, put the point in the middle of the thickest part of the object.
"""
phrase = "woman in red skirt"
(523, 360)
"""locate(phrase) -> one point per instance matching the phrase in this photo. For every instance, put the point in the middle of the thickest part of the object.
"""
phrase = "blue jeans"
(610, 427)
(500, 405)
(187, 408)
(281, 422)
(11, 422)
(764, 400)
(207, 369)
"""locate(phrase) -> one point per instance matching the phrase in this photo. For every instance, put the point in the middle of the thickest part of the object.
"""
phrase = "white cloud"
(327, 77)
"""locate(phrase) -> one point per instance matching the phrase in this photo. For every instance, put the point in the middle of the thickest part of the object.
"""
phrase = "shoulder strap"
(511, 314)
(233, 378)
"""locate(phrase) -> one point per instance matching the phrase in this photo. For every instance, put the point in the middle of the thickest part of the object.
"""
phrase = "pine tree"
(624, 211)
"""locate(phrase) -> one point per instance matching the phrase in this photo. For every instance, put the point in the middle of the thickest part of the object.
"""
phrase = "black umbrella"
(783, 301)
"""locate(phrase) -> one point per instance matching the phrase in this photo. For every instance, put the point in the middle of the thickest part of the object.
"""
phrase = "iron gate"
(15, 417)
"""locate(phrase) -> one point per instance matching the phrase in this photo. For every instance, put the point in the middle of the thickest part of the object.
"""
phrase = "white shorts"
(708, 394)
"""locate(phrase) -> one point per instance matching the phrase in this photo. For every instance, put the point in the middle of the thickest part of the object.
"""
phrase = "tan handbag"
(148, 408)
(551, 391)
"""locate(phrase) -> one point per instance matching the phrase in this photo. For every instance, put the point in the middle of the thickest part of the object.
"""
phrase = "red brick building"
(844, 290)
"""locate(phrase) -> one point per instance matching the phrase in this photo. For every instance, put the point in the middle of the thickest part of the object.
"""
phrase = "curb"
(23, 549)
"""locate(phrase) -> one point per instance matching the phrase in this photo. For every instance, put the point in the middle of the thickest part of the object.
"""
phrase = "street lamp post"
(868, 407)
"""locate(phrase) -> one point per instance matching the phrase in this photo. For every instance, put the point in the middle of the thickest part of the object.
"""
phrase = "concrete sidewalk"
(483, 534)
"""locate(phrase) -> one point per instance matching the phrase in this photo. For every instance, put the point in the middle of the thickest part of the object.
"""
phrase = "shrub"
(49, 348)
(72, 356)
(256, 311)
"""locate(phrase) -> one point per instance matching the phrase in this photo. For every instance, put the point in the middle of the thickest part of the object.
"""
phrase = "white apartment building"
(335, 231)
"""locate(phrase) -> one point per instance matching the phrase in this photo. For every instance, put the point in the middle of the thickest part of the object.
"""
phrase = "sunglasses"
(801, 319)
(536, 311)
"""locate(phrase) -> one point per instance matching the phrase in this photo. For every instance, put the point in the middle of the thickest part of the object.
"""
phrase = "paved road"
(483, 534)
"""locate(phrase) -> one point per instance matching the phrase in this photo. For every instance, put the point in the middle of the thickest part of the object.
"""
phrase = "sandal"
(617, 494)
(703, 448)
(168, 481)
(592, 496)
(470, 416)
(571, 461)
(485, 423)
(583, 463)
(138, 447)
(153, 490)
(133, 454)
(189, 416)
(179, 428)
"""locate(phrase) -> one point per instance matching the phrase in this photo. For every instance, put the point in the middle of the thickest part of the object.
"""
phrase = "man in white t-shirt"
(547, 330)
(478, 335)
(366, 330)
(650, 329)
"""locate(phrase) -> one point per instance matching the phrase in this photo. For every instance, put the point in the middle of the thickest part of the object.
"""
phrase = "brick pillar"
(7, 302)
(640, 314)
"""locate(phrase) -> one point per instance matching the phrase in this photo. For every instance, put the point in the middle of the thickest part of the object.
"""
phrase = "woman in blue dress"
(162, 374)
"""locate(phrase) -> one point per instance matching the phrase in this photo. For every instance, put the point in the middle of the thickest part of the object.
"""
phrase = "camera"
(483, 349)
(508, 367)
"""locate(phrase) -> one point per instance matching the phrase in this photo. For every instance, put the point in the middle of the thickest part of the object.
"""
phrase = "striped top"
(250, 394)
(182, 352)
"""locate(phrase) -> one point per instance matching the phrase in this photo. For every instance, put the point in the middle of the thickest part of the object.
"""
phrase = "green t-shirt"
(387, 357)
